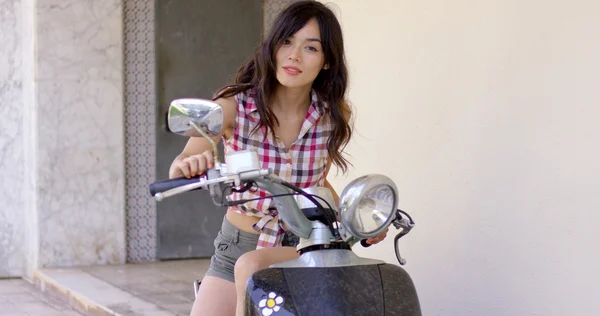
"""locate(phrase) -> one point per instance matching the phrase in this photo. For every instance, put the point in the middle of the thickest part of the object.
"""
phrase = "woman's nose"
(295, 54)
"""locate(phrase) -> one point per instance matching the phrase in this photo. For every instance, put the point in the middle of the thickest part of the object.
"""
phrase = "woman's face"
(300, 57)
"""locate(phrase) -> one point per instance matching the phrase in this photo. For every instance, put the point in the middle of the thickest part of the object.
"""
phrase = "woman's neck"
(291, 101)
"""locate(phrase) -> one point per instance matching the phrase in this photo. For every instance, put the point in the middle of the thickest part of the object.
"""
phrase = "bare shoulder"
(229, 111)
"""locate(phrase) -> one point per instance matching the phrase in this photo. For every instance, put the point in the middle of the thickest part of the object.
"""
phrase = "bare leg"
(254, 261)
(216, 297)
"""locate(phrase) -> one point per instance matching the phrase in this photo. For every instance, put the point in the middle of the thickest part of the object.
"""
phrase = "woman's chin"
(291, 83)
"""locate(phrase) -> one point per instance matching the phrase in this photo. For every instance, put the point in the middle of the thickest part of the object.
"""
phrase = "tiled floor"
(151, 289)
(19, 297)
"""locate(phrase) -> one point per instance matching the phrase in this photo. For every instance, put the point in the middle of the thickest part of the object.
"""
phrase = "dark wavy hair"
(330, 85)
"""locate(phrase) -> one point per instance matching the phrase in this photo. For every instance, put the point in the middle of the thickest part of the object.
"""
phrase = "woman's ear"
(326, 67)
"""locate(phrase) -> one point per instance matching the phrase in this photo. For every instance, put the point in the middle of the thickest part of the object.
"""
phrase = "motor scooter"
(328, 278)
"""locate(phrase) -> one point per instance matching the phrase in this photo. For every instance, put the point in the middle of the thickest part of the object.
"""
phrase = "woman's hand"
(374, 240)
(191, 166)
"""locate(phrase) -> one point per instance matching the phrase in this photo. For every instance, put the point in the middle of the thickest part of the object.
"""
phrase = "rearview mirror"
(205, 114)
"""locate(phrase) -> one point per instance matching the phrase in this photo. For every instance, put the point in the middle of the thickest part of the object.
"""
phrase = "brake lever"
(403, 223)
(406, 224)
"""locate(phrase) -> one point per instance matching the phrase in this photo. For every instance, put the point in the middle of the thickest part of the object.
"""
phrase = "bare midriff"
(242, 221)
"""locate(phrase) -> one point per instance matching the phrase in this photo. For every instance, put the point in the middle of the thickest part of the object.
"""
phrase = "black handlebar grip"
(363, 242)
(165, 185)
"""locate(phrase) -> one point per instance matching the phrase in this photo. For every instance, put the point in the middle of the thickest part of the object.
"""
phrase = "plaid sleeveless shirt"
(302, 164)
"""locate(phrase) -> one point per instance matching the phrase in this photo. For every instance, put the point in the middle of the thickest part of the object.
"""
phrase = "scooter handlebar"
(166, 185)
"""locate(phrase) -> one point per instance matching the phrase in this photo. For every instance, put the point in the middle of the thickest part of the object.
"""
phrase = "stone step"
(19, 297)
(153, 289)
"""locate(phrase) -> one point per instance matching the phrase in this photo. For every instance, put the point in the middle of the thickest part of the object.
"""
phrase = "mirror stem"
(212, 142)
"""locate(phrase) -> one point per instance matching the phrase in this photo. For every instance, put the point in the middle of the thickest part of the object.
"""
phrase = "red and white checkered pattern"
(303, 164)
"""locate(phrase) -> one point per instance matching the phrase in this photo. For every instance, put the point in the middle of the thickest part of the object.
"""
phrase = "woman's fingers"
(193, 164)
(379, 238)
(209, 159)
(198, 164)
(184, 168)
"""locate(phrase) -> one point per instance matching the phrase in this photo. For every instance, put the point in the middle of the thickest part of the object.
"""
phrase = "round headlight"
(368, 205)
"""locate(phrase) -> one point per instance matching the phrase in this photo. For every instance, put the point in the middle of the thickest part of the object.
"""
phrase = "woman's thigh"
(257, 260)
(216, 297)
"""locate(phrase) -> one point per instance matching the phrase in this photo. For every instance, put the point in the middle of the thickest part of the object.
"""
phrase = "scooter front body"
(377, 289)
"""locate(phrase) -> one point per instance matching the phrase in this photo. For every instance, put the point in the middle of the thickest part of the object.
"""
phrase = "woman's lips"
(292, 71)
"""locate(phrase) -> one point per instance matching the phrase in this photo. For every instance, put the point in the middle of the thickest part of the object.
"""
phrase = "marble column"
(12, 165)
(80, 132)
(61, 134)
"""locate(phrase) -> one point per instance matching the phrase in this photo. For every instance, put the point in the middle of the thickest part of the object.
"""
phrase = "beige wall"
(486, 115)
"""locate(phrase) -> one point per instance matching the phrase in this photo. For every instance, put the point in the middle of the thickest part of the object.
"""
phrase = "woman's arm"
(197, 155)
(336, 197)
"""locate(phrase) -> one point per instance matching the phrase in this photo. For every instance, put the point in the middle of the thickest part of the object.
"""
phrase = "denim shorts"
(230, 244)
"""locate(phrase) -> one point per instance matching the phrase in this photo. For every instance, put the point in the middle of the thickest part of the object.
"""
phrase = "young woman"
(287, 104)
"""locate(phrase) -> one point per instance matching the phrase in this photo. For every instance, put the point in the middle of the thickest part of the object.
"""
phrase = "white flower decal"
(270, 304)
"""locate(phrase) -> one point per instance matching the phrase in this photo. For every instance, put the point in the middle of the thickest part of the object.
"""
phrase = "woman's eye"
(311, 48)
(286, 42)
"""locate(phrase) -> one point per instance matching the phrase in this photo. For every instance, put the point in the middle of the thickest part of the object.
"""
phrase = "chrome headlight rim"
(349, 202)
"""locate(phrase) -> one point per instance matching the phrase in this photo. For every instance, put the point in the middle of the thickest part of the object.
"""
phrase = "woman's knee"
(249, 263)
